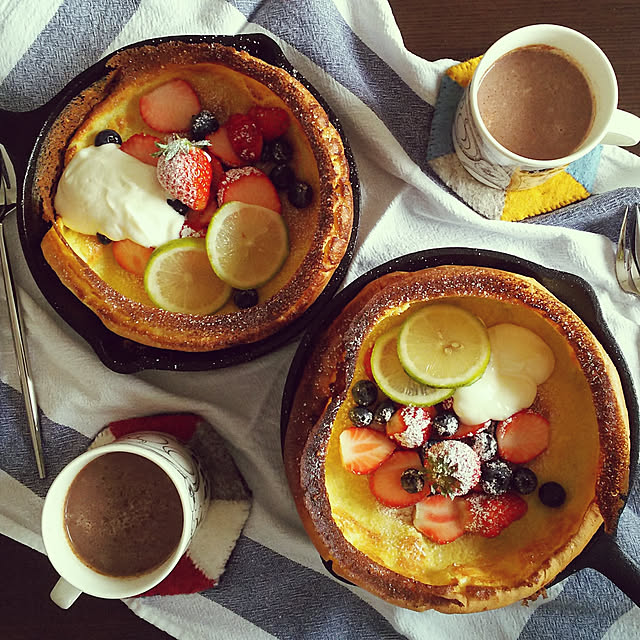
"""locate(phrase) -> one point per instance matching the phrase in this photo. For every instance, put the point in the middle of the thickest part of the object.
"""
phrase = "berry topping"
(102, 239)
(197, 222)
(552, 494)
(271, 121)
(384, 411)
(281, 151)
(185, 172)
(364, 392)
(107, 136)
(489, 515)
(412, 480)
(202, 124)
(524, 480)
(250, 186)
(170, 106)
(220, 146)
(410, 427)
(495, 477)
(245, 137)
(282, 176)
(364, 450)
(468, 430)
(446, 424)
(361, 416)
(300, 194)
(452, 467)
(447, 404)
(245, 298)
(180, 207)
(522, 437)
(131, 256)
(441, 519)
(386, 483)
(485, 445)
(142, 147)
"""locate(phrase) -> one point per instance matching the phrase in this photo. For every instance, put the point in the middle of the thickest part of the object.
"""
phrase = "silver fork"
(627, 258)
(8, 196)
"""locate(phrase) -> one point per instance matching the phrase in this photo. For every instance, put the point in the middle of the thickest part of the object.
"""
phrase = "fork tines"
(627, 259)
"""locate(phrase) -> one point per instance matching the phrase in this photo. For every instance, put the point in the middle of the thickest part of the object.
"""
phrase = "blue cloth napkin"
(275, 584)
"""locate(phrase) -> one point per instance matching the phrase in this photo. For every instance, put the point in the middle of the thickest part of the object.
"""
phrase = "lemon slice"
(179, 278)
(393, 379)
(444, 346)
(247, 244)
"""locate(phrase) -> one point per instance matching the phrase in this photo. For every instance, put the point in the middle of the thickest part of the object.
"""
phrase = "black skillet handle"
(18, 131)
(611, 561)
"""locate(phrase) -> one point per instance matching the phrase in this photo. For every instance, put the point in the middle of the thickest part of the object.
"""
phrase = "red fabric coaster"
(230, 501)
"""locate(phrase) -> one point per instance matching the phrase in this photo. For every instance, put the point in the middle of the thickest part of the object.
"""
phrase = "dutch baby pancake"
(457, 437)
(176, 136)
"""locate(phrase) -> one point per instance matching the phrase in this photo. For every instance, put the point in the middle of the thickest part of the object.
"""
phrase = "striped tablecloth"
(275, 585)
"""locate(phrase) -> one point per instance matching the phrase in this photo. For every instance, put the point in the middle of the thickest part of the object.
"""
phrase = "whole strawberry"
(184, 170)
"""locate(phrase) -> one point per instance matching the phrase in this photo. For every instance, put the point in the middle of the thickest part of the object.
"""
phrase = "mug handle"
(624, 129)
(64, 594)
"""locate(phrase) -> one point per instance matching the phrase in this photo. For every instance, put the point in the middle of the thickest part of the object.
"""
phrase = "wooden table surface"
(456, 29)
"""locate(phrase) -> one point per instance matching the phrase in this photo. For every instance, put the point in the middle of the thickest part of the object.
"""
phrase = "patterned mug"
(177, 461)
(496, 166)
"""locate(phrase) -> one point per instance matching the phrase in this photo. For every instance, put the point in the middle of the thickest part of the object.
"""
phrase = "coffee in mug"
(536, 102)
(123, 515)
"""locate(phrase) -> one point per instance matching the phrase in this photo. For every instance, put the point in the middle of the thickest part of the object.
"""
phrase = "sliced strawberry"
(217, 174)
(468, 430)
(271, 121)
(245, 137)
(386, 485)
(170, 106)
(364, 450)
(522, 437)
(248, 185)
(141, 146)
(410, 427)
(441, 519)
(196, 223)
(489, 515)
(131, 256)
(220, 146)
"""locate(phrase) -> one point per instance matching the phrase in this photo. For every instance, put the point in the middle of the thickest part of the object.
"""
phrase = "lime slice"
(179, 278)
(444, 346)
(247, 244)
(393, 379)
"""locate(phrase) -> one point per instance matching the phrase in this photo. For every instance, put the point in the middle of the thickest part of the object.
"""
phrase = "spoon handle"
(24, 371)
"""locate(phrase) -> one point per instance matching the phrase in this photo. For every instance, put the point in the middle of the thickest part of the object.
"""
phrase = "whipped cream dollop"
(105, 190)
(520, 361)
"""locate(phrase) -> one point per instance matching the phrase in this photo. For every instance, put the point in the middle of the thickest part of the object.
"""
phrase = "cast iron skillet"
(602, 552)
(23, 135)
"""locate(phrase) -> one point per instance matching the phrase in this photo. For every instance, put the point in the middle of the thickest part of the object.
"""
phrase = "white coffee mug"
(496, 166)
(177, 462)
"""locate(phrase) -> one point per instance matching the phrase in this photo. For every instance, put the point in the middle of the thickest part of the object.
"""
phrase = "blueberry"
(412, 480)
(107, 136)
(300, 194)
(102, 239)
(485, 446)
(524, 480)
(446, 424)
(495, 477)
(361, 416)
(364, 392)
(245, 298)
(180, 207)
(202, 124)
(552, 494)
(384, 411)
(424, 449)
(282, 176)
(281, 151)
